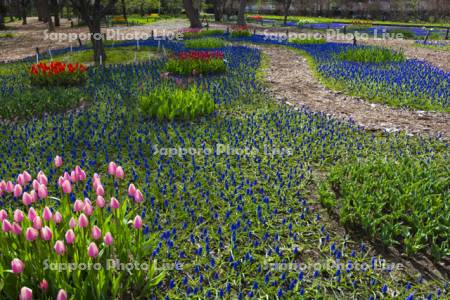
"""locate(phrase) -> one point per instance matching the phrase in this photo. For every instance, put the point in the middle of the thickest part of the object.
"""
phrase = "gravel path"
(292, 81)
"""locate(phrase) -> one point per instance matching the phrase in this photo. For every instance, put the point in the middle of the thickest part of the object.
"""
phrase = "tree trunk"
(97, 42)
(241, 14)
(23, 10)
(218, 10)
(2, 21)
(287, 6)
(51, 25)
(192, 13)
(124, 11)
(141, 8)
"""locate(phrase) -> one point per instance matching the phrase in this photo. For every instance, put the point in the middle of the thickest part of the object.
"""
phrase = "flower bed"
(60, 248)
(197, 63)
(57, 74)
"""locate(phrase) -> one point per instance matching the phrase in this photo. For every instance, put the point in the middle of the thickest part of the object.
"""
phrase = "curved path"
(292, 81)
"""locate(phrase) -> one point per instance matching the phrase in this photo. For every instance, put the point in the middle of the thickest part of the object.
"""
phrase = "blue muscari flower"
(384, 289)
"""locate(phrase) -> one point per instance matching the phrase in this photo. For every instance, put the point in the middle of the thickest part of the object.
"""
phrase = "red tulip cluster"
(56, 67)
(57, 73)
(256, 18)
(201, 55)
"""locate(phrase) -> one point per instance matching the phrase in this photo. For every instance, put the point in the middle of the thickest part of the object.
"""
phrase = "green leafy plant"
(403, 201)
(169, 102)
(371, 55)
(206, 43)
(240, 33)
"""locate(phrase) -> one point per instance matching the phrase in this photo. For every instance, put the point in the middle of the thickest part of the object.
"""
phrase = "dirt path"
(292, 81)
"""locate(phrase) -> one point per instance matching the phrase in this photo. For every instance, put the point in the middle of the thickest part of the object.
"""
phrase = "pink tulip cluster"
(47, 226)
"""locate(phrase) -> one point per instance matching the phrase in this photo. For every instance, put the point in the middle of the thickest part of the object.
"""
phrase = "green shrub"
(168, 102)
(240, 33)
(371, 54)
(309, 40)
(205, 43)
(193, 66)
(203, 33)
(404, 201)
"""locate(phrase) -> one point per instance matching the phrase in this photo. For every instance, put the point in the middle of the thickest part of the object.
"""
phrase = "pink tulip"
(26, 293)
(131, 190)
(82, 176)
(21, 179)
(31, 214)
(57, 218)
(78, 206)
(100, 202)
(72, 223)
(42, 178)
(66, 176)
(60, 181)
(3, 215)
(96, 233)
(17, 266)
(47, 214)
(18, 190)
(37, 223)
(92, 250)
(35, 185)
(137, 223)
(3, 186)
(138, 197)
(58, 161)
(73, 177)
(108, 239)
(77, 171)
(27, 199)
(46, 234)
(34, 196)
(100, 191)
(16, 229)
(31, 234)
(18, 216)
(27, 176)
(88, 210)
(42, 191)
(83, 221)
(43, 285)
(66, 187)
(120, 173)
(70, 237)
(9, 187)
(114, 203)
(112, 168)
(60, 248)
(62, 295)
(6, 226)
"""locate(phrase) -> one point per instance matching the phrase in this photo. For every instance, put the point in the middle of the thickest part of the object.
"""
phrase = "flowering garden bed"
(224, 208)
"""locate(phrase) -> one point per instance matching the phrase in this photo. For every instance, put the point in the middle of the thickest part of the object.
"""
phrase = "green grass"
(403, 201)
(168, 102)
(371, 55)
(206, 43)
(6, 35)
(310, 40)
(434, 47)
(203, 33)
(116, 55)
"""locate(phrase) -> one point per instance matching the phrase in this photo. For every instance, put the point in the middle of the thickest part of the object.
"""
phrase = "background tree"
(24, 4)
(241, 15)
(92, 13)
(192, 8)
(124, 10)
(171, 7)
(286, 5)
(3, 12)
(218, 10)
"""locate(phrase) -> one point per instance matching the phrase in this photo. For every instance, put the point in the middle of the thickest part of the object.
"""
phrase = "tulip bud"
(92, 250)
(25, 293)
(108, 239)
(60, 248)
(17, 266)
